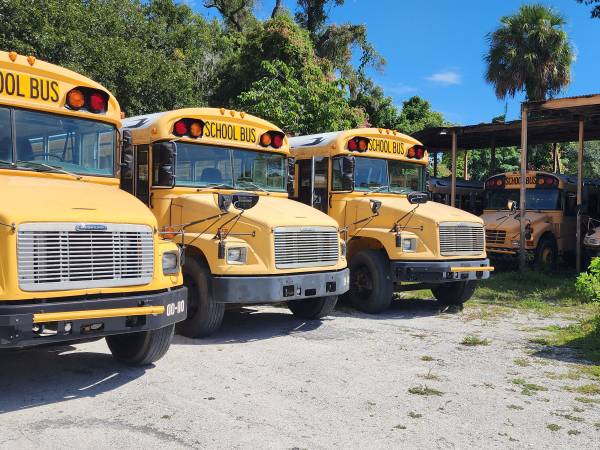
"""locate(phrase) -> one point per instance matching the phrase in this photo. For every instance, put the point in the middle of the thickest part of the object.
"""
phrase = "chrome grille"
(495, 236)
(306, 247)
(61, 256)
(461, 238)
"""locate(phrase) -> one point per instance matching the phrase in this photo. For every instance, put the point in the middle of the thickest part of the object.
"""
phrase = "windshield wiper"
(255, 186)
(377, 189)
(8, 163)
(215, 186)
(53, 168)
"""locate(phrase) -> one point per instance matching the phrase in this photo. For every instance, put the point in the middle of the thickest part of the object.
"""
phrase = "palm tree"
(530, 52)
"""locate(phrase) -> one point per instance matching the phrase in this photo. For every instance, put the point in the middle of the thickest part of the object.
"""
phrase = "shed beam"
(579, 194)
(453, 184)
(522, 202)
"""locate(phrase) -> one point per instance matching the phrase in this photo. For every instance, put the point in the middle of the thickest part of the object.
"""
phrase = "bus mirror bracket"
(127, 156)
(291, 173)
(165, 153)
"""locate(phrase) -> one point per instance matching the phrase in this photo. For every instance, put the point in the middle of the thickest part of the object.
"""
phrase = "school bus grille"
(495, 236)
(306, 247)
(461, 239)
(63, 256)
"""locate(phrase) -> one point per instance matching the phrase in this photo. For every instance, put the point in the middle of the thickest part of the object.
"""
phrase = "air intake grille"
(461, 239)
(306, 247)
(62, 256)
(495, 236)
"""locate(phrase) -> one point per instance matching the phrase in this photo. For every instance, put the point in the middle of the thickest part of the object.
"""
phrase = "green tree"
(595, 9)
(417, 115)
(312, 14)
(236, 13)
(529, 52)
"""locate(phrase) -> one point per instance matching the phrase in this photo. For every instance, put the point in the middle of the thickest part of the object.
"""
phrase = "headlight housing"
(236, 255)
(343, 248)
(591, 241)
(409, 245)
(170, 263)
(516, 244)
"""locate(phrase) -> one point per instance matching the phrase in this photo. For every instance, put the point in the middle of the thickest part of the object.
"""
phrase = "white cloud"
(399, 89)
(445, 78)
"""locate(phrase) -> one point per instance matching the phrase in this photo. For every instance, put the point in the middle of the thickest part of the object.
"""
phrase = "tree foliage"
(530, 52)
(299, 71)
(595, 9)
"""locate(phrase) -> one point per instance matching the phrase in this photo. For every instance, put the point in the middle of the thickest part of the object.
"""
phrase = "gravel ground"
(267, 380)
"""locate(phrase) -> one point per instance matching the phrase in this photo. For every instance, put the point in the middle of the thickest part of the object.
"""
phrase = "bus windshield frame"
(535, 199)
(383, 175)
(41, 141)
(226, 167)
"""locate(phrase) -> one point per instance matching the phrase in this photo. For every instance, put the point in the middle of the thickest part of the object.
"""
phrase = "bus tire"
(371, 286)
(141, 348)
(546, 253)
(314, 308)
(454, 293)
(204, 314)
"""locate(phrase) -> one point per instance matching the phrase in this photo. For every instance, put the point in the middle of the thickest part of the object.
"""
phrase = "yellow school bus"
(372, 181)
(217, 182)
(469, 194)
(79, 258)
(551, 202)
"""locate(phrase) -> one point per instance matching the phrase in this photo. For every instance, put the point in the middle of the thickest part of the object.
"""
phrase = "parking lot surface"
(404, 378)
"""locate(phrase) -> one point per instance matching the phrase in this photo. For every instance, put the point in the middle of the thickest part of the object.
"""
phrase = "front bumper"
(24, 325)
(279, 288)
(440, 272)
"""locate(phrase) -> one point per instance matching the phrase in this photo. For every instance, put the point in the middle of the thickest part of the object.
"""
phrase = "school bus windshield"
(44, 141)
(536, 199)
(230, 168)
(383, 175)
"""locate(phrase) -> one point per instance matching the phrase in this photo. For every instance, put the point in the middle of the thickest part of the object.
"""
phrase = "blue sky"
(435, 49)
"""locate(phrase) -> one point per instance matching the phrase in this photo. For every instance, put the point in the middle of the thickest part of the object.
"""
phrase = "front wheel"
(204, 314)
(454, 293)
(313, 309)
(546, 253)
(142, 348)
(371, 286)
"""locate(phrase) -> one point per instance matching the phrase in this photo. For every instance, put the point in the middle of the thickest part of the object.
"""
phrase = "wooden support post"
(466, 173)
(522, 201)
(435, 163)
(554, 158)
(453, 184)
(579, 194)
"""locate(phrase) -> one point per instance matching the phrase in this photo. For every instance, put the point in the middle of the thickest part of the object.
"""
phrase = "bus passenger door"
(568, 226)
(134, 171)
(313, 182)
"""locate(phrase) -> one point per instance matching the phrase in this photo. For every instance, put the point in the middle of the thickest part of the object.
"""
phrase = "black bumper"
(17, 320)
(280, 288)
(438, 272)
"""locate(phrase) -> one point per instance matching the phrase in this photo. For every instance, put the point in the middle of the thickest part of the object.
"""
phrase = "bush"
(588, 284)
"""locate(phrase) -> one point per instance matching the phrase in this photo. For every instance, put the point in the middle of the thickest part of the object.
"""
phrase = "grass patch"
(426, 358)
(587, 400)
(414, 415)
(517, 407)
(430, 376)
(472, 341)
(400, 427)
(531, 290)
(586, 389)
(424, 390)
(522, 362)
(573, 432)
(570, 375)
(583, 337)
(528, 388)
(571, 417)
(539, 340)
(553, 427)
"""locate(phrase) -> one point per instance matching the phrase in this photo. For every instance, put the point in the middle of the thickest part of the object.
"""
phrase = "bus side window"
(570, 204)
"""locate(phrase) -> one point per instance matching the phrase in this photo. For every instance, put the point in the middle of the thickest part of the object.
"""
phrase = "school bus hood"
(394, 208)
(270, 211)
(509, 222)
(31, 198)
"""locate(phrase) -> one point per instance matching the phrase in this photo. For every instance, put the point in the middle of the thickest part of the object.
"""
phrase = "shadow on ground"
(251, 324)
(51, 375)
(400, 308)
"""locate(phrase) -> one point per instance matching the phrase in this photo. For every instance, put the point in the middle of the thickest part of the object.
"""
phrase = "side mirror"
(417, 198)
(244, 200)
(511, 205)
(165, 161)
(291, 173)
(127, 162)
(375, 206)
